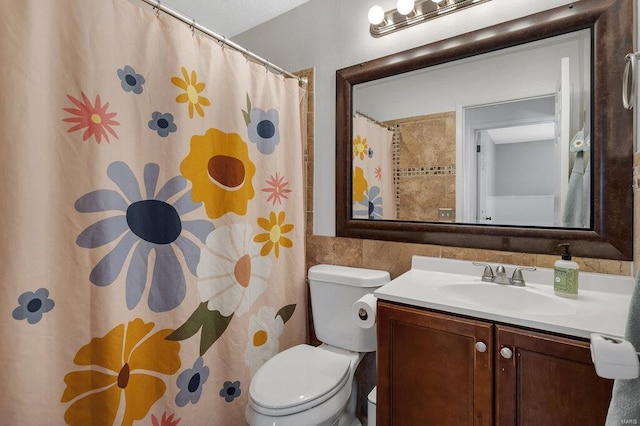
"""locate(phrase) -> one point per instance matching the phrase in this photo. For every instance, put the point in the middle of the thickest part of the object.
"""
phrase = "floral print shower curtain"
(373, 187)
(152, 250)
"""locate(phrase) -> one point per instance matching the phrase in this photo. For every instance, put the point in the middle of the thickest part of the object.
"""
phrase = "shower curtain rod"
(379, 123)
(193, 24)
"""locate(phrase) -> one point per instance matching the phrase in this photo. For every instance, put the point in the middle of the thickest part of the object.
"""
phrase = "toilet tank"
(334, 289)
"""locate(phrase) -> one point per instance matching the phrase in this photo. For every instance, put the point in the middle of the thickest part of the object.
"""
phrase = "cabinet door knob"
(481, 346)
(506, 353)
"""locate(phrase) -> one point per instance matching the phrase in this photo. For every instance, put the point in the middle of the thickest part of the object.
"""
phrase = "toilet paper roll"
(363, 311)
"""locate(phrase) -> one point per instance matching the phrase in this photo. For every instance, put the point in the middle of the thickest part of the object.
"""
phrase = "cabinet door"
(430, 371)
(547, 380)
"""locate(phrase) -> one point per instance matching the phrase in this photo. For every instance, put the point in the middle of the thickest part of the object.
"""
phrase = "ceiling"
(229, 18)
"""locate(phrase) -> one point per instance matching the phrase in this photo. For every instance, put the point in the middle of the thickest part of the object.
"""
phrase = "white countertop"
(602, 304)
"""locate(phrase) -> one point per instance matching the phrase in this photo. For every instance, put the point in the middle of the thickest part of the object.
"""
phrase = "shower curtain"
(373, 188)
(152, 245)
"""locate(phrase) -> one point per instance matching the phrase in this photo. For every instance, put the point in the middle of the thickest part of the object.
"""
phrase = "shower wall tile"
(489, 256)
(421, 196)
(428, 140)
(392, 256)
(605, 266)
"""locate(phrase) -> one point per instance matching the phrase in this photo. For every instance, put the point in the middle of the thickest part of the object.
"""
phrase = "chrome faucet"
(500, 276)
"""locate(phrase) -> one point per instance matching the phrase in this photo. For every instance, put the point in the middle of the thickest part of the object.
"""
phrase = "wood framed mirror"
(608, 234)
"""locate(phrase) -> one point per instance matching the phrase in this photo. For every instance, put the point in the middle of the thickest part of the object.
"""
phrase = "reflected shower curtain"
(152, 250)
(373, 190)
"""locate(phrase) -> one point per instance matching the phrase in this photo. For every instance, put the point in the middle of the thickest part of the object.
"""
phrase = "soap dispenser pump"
(565, 275)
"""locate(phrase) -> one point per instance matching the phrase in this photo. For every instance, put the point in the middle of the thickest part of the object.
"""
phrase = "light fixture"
(376, 15)
(405, 7)
(412, 12)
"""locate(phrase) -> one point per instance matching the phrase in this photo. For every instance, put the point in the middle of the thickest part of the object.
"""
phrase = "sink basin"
(507, 298)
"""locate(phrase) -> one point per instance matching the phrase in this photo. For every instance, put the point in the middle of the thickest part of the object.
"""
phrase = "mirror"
(484, 140)
(555, 143)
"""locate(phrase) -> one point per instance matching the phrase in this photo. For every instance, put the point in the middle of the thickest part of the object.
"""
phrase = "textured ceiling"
(231, 17)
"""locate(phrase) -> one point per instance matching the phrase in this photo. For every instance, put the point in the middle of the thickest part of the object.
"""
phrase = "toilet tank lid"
(357, 277)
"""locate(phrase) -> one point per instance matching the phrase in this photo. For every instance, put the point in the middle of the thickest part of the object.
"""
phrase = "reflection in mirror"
(501, 138)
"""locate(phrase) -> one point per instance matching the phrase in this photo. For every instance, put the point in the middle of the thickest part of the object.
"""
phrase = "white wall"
(333, 34)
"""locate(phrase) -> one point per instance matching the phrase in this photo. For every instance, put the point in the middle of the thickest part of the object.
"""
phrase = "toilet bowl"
(306, 385)
(314, 387)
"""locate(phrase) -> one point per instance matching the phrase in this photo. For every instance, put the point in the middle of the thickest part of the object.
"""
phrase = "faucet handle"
(487, 275)
(518, 278)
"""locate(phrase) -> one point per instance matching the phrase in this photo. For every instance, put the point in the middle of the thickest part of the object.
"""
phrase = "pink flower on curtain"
(378, 172)
(277, 189)
(128, 362)
(164, 420)
(94, 118)
(192, 89)
(274, 237)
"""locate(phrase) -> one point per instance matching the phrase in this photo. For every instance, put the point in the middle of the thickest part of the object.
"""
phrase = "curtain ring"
(157, 8)
(193, 27)
(224, 42)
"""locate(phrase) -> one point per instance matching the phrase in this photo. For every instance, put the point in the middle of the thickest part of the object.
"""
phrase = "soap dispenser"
(565, 275)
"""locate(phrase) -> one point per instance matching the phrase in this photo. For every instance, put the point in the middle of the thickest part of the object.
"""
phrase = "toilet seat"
(298, 379)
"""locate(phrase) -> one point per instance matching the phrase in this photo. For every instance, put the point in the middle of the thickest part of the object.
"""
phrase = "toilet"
(307, 385)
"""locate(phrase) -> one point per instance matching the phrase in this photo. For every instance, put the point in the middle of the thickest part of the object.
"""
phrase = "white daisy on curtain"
(265, 329)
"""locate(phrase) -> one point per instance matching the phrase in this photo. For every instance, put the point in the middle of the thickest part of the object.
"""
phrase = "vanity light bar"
(424, 10)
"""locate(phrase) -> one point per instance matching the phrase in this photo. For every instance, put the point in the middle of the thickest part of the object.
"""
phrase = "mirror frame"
(611, 235)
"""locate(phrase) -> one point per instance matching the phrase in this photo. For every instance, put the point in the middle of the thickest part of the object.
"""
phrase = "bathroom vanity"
(519, 356)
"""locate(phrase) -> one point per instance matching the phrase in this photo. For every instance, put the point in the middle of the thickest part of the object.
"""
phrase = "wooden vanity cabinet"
(547, 380)
(429, 370)
(440, 369)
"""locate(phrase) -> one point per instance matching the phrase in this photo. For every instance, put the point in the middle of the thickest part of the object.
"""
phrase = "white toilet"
(314, 386)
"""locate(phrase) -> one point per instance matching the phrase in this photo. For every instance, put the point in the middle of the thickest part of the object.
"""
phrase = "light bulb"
(437, 1)
(376, 15)
(405, 7)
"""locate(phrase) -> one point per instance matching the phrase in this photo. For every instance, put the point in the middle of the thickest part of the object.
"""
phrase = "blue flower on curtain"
(162, 123)
(130, 80)
(262, 127)
(142, 225)
(190, 382)
(33, 305)
(372, 204)
(230, 391)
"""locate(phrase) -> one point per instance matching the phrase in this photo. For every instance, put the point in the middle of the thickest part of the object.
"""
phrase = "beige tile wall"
(416, 168)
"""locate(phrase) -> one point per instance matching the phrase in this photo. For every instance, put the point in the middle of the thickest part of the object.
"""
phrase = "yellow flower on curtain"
(192, 92)
(273, 238)
(360, 147)
(220, 171)
(126, 363)
(360, 184)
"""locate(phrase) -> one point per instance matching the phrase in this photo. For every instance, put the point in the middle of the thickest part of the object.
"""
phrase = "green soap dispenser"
(565, 275)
